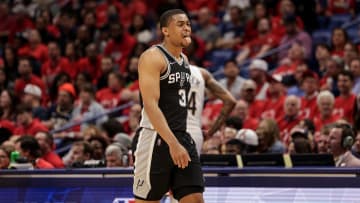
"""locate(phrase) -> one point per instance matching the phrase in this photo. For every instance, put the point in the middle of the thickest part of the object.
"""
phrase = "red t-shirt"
(340, 6)
(42, 164)
(319, 122)
(285, 127)
(256, 108)
(250, 123)
(121, 51)
(20, 84)
(108, 98)
(273, 109)
(258, 42)
(53, 159)
(51, 68)
(94, 69)
(344, 107)
(40, 52)
(210, 112)
(308, 107)
(34, 127)
(278, 28)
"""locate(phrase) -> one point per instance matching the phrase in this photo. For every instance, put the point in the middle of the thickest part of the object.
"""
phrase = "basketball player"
(165, 154)
(201, 79)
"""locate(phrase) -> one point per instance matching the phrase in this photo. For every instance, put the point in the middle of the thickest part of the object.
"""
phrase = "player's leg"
(192, 198)
(152, 167)
(145, 201)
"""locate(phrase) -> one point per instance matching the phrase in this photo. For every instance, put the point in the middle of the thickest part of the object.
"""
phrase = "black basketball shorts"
(155, 173)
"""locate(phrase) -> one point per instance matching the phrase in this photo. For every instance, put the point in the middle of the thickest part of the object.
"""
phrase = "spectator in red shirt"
(310, 86)
(46, 143)
(107, 67)
(26, 124)
(91, 64)
(345, 102)
(120, 46)
(72, 55)
(7, 25)
(46, 30)
(290, 118)
(241, 110)
(35, 48)
(339, 37)
(261, 44)
(340, 7)
(274, 103)
(251, 28)
(325, 101)
(110, 96)
(54, 65)
(27, 77)
(29, 148)
(258, 73)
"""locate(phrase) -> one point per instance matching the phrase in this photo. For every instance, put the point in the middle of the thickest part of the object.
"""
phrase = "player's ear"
(165, 31)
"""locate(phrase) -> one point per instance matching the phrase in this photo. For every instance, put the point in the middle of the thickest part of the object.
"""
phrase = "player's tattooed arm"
(228, 100)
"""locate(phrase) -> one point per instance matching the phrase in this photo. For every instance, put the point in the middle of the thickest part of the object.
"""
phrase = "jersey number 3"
(191, 100)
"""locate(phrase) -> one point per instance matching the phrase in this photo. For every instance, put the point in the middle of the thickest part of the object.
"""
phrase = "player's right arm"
(151, 65)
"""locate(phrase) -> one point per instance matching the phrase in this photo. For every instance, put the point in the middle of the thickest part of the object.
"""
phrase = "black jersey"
(174, 88)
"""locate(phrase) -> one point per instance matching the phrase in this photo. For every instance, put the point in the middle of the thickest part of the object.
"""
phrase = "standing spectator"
(205, 28)
(241, 110)
(355, 70)
(325, 102)
(294, 34)
(32, 97)
(345, 102)
(26, 123)
(258, 73)
(29, 148)
(54, 65)
(120, 45)
(27, 77)
(232, 80)
(341, 139)
(290, 119)
(268, 134)
(46, 143)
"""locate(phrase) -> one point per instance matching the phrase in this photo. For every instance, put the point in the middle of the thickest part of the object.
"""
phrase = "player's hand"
(179, 155)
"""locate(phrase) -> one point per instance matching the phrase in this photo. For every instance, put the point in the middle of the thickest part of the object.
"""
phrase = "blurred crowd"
(66, 61)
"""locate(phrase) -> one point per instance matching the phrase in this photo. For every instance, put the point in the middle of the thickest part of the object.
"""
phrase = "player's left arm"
(228, 100)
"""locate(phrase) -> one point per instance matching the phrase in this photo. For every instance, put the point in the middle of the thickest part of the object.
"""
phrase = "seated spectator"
(80, 152)
(334, 66)
(211, 146)
(32, 97)
(269, 134)
(46, 143)
(230, 128)
(26, 123)
(35, 48)
(205, 28)
(356, 147)
(27, 77)
(310, 86)
(29, 148)
(345, 102)
(98, 144)
(241, 110)
(273, 106)
(339, 38)
(232, 80)
(325, 102)
(260, 11)
(8, 102)
(5, 157)
(231, 32)
(258, 73)
(140, 30)
(294, 34)
(248, 94)
(232, 146)
(341, 139)
(335, 7)
(350, 52)
(300, 143)
(249, 140)
(322, 139)
(88, 108)
(107, 67)
(322, 54)
(355, 70)
(114, 155)
(111, 96)
(290, 118)
(91, 64)
(133, 120)
(261, 44)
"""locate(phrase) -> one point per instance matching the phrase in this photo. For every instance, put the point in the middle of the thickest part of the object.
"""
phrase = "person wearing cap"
(248, 94)
(258, 73)
(300, 143)
(294, 33)
(27, 77)
(60, 113)
(249, 140)
(25, 122)
(32, 97)
(310, 85)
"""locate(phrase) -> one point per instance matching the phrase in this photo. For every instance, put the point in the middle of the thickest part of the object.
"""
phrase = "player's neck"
(175, 51)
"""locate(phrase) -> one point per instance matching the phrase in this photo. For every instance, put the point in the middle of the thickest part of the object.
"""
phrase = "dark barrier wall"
(222, 185)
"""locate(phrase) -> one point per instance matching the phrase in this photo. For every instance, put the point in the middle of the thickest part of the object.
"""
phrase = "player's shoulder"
(152, 56)
(151, 52)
